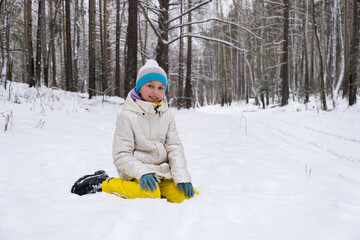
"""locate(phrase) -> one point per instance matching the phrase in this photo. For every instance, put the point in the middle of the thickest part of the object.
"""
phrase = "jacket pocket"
(162, 155)
(145, 156)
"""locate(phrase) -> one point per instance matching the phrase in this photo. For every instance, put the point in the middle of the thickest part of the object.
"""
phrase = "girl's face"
(152, 91)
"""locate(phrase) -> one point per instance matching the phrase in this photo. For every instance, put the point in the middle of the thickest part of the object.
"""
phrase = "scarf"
(135, 96)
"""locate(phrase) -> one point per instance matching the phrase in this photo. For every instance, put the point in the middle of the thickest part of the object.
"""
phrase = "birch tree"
(5, 40)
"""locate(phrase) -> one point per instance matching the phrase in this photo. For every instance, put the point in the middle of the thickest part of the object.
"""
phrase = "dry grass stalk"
(8, 115)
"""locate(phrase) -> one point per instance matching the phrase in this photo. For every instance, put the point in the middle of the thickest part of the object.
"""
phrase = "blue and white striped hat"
(149, 72)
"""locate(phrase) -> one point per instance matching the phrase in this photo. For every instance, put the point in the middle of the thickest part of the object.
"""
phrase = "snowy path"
(282, 175)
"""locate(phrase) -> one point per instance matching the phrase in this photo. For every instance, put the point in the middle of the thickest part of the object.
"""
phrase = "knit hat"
(149, 72)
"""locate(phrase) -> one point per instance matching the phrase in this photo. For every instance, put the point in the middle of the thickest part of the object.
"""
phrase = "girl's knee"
(151, 194)
(179, 197)
(128, 189)
(172, 193)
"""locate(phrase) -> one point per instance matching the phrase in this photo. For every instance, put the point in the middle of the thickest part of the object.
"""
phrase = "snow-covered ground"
(280, 173)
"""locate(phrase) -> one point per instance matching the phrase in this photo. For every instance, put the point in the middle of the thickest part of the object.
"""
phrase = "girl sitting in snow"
(147, 150)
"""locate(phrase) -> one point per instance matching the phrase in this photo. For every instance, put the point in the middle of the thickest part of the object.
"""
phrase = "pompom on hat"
(149, 72)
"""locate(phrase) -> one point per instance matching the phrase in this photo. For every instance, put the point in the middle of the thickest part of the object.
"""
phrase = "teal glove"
(187, 188)
(148, 182)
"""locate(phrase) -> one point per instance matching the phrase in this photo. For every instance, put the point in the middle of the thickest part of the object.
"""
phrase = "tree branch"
(271, 2)
(190, 10)
(219, 20)
(150, 22)
(208, 39)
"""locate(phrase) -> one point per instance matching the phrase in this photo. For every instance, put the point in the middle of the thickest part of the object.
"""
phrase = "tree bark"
(24, 73)
(347, 42)
(321, 58)
(39, 42)
(188, 85)
(76, 43)
(131, 39)
(162, 49)
(101, 25)
(117, 50)
(306, 59)
(105, 46)
(52, 43)
(5, 48)
(101, 35)
(70, 84)
(63, 46)
(180, 87)
(44, 48)
(354, 59)
(30, 52)
(285, 59)
(92, 25)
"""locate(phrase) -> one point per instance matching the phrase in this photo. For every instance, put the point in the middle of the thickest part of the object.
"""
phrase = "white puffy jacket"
(148, 142)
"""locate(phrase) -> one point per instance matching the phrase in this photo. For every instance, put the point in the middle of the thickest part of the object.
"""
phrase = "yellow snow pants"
(131, 189)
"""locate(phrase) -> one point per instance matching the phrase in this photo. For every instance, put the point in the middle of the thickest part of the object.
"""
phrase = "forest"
(214, 51)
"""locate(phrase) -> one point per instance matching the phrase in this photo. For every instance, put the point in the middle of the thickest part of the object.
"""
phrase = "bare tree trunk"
(5, 40)
(188, 85)
(225, 64)
(52, 44)
(285, 60)
(63, 50)
(117, 50)
(24, 72)
(321, 58)
(11, 61)
(306, 66)
(306, 60)
(131, 39)
(84, 62)
(354, 59)
(246, 80)
(342, 59)
(44, 49)
(333, 48)
(76, 43)
(101, 25)
(180, 89)
(92, 24)
(101, 35)
(347, 39)
(70, 84)
(162, 49)
(105, 46)
(312, 56)
(39, 42)
(142, 43)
